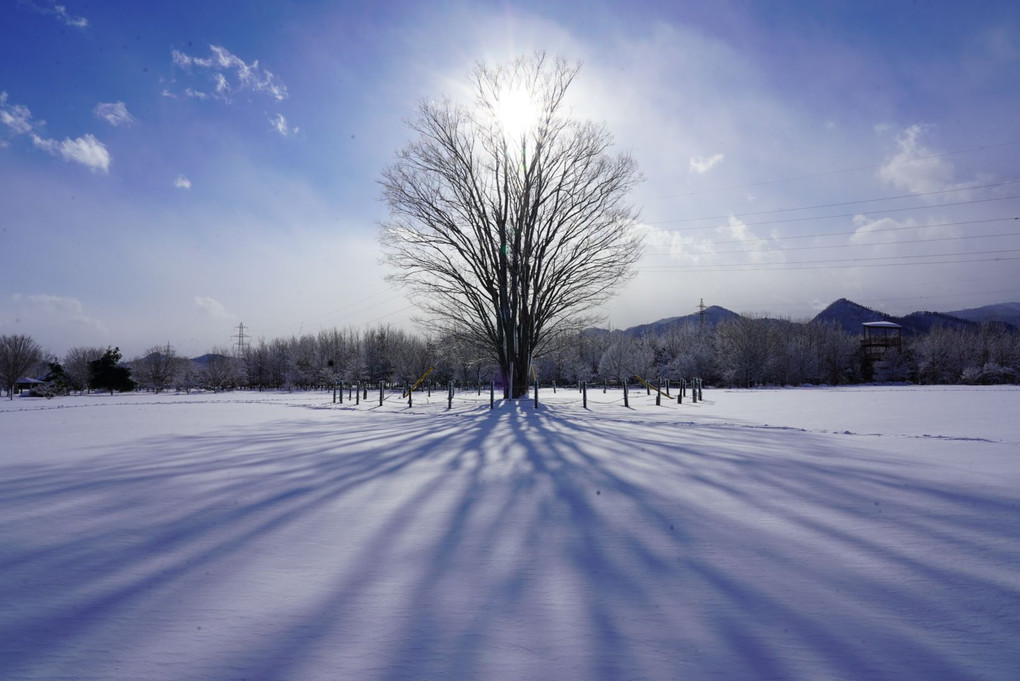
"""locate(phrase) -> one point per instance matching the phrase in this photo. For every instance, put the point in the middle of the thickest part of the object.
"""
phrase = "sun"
(516, 113)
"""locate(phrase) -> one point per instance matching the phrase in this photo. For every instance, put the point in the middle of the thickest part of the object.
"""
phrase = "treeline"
(741, 352)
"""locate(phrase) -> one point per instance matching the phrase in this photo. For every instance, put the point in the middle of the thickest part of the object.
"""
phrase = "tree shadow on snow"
(502, 544)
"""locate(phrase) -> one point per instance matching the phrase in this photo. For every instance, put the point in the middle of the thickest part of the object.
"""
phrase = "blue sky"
(169, 170)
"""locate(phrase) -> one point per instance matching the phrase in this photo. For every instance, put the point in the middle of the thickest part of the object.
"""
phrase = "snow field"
(855, 533)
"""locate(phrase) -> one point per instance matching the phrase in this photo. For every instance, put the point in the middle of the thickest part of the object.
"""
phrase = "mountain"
(1008, 313)
(712, 316)
(849, 316)
(922, 322)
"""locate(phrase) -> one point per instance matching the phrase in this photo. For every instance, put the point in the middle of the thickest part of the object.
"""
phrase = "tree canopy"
(509, 218)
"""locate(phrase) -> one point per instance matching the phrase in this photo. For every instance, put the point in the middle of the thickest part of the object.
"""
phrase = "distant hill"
(206, 358)
(1008, 313)
(712, 316)
(850, 316)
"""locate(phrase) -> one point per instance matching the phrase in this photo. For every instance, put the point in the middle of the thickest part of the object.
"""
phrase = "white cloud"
(702, 165)
(212, 307)
(86, 150)
(279, 123)
(229, 74)
(16, 117)
(57, 10)
(182, 182)
(915, 167)
(55, 308)
(114, 113)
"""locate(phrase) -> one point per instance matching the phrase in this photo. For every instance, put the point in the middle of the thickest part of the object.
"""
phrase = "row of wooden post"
(695, 384)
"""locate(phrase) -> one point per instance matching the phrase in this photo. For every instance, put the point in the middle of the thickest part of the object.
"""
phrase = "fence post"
(626, 396)
(701, 394)
(680, 392)
(334, 392)
(341, 392)
(584, 394)
(410, 401)
(658, 393)
(357, 394)
(381, 384)
(492, 394)
(536, 393)
(694, 391)
(449, 396)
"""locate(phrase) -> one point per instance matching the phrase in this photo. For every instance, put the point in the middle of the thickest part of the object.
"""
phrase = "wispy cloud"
(56, 10)
(114, 113)
(212, 307)
(702, 164)
(86, 150)
(182, 182)
(16, 117)
(59, 308)
(915, 167)
(227, 74)
(279, 123)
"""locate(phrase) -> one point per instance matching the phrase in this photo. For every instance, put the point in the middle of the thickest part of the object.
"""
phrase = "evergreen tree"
(109, 374)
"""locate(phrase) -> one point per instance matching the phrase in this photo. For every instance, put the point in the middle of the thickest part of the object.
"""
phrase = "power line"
(815, 265)
(818, 235)
(840, 215)
(841, 171)
(841, 203)
(861, 245)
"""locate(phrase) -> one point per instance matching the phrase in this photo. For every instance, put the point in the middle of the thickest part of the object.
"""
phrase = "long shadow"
(502, 544)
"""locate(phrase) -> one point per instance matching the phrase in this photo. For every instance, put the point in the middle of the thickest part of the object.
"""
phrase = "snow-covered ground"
(859, 533)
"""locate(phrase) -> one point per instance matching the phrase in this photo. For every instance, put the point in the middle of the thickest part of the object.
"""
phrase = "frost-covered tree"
(77, 366)
(18, 354)
(509, 219)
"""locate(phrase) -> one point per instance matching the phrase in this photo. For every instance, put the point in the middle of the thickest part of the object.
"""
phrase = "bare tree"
(156, 370)
(18, 354)
(77, 364)
(508, 219)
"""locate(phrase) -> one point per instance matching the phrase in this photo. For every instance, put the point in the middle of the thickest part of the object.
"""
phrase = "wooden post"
(492, 394)
(449, 396)
(658, 393)
(694, 391)
(536, 393)
(584, 394)
(357, 394)
(701, 394)
(410, 400)
(626, 397)
(341, 392)
(334, 393)
(381, 384)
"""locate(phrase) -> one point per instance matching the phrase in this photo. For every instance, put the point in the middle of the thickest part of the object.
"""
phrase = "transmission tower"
(242, 345)
(701, 312)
